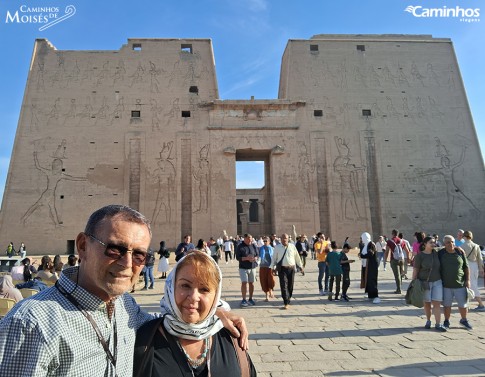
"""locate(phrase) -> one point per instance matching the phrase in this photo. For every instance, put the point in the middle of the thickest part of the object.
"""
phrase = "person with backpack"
(455, 275)
(395, 249)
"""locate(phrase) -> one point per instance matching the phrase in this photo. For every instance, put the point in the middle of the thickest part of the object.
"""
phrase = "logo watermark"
(45, 16)
(459, 13)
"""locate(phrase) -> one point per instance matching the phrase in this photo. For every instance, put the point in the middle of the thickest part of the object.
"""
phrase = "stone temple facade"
(369, 133)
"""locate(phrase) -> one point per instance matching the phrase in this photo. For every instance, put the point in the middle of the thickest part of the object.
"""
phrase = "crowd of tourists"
(455, 265)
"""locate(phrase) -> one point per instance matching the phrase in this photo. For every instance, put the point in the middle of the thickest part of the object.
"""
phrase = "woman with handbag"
(427, 269)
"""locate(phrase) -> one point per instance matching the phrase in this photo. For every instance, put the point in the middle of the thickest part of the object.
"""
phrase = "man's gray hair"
(125, 213)
(449, 238)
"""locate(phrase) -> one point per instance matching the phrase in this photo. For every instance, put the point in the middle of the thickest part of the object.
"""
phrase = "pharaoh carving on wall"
(119, 75)
(34, 119)
(86, 111)
(432, 76)
(156, 111)
(349, 182)
(201, 175)
(40, 76)
(137, 76)
(305, 173)
(447, 172)
(53, 114)
(54, 175)
(103, 110)
(118, 110)
(71, 114)
(164, 178)
(154, 73)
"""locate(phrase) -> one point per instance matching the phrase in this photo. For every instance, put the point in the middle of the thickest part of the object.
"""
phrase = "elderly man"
(247, 254)
(456, 278)
(85, 325)
(288, 254)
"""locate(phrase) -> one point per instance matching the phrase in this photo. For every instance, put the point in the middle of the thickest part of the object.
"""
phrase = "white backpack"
(397, 253)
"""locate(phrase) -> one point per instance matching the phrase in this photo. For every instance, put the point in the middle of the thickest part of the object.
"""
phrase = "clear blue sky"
(249, 37)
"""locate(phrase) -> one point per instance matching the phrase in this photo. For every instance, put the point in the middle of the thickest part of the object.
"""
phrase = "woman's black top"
(164, 358)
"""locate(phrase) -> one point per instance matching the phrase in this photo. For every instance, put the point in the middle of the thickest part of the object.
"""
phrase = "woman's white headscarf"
(366, 238)
(173, 321)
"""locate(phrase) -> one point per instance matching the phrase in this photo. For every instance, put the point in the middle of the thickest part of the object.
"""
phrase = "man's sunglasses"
(118, 251)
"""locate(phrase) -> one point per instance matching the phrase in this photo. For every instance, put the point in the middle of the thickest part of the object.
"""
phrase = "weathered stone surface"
(369, 132)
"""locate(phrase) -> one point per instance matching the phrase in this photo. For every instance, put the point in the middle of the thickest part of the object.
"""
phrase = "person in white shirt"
(288, 254)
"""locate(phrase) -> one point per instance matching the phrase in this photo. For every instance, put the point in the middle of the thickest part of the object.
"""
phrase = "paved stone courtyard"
(316, 337)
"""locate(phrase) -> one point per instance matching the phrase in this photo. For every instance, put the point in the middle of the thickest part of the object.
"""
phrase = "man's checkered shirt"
(45, 335)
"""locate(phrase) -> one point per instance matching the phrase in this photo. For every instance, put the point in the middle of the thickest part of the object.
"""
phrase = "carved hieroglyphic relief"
(431, 76)
(156, 111)
(53, 114)
(137, 76)
(71, 114)
(306, 173)
(154, 73)
(417, 76)
(350, 182)
(103, 111)
(118, 110)
(401, 77)
(164, 178)
(34, 119)
(447, 171)
(119, 74)
(40, 85)
(86, 112)
(201, 175)
(173, 113)
(54, 175)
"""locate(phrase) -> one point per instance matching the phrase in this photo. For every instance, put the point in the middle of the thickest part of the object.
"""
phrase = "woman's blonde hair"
(204, 267)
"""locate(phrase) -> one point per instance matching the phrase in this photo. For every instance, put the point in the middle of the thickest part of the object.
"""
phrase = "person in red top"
(397, 261)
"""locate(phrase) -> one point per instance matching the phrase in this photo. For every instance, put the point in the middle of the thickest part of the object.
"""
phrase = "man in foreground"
(85, 325)
(456, 279)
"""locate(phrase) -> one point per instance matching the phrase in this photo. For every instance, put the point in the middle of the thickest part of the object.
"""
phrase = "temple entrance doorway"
(253, 202)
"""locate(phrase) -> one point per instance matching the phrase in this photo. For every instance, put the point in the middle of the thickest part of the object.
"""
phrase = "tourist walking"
(475, 264)
(266, 277)
(290, 259)
(455, 275)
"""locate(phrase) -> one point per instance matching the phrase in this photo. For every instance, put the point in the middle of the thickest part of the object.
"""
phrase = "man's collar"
(68, 282)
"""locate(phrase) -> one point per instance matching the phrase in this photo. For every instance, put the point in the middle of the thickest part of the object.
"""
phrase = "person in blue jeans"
(148, 269)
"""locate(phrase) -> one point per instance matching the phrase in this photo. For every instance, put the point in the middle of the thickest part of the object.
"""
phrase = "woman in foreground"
(189, 339)
(427, 269)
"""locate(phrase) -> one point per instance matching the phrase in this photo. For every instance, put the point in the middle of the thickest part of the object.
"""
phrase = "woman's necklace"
(200, 359)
